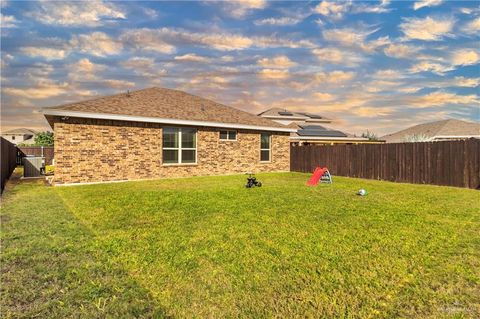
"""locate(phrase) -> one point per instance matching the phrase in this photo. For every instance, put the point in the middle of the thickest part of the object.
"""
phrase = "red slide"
(317, 174)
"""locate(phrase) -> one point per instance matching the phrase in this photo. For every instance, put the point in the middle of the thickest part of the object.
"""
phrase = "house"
(310, 128)
(20, 136)
(436, 131)
(158, 132)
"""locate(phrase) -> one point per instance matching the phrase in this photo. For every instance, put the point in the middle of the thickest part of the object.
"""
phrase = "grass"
(208, 247)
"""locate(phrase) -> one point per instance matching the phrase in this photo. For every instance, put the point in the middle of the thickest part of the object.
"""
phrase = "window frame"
(228, 139)
(179, 149)
(269, 149)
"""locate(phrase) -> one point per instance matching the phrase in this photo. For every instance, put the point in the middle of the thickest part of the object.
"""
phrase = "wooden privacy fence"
(8, 154)
(451, 163)
(44, 151)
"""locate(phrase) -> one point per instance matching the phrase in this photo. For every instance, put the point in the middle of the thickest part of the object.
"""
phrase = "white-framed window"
(179, 145)
(265, 149)
(228, 135)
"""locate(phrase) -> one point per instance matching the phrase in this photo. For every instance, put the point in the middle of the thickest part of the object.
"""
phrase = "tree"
(44, 139)
(371, 136)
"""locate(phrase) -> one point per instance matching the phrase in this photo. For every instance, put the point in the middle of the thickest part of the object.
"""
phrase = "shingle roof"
(24, 131)
(166, 104)
(440, 128)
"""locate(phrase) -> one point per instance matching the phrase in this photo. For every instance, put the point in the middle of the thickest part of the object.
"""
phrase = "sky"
(380, 66)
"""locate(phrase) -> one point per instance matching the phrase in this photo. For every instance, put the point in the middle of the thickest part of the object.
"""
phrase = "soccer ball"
(362, 192)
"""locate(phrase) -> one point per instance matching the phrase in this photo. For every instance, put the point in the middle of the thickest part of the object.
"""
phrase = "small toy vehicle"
(252, 181)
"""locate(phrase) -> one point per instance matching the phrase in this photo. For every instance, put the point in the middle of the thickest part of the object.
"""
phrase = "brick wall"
(88, 150)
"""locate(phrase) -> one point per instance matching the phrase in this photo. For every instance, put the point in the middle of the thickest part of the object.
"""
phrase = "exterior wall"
(19, 138)
(89, 150)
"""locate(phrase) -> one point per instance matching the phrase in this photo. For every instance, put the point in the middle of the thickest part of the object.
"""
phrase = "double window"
(179, 145)
(228, 135)
(265, 142)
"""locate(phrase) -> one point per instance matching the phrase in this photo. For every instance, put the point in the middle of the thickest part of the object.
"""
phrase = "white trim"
(228, 136)
(179, 149)
(319, 138)
(132, 118)
(455, 136)
(269, 149)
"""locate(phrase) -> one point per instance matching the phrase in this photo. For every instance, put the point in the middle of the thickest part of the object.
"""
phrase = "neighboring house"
(436, 131)
(20, 136)
(311, 129)
(157, 132)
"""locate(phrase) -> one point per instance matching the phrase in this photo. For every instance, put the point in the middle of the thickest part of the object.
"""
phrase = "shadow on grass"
(52, 266)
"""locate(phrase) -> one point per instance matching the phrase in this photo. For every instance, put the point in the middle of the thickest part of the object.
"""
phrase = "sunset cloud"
(465, 57)
(401, 51)
(337, 56)
(278, 21)
(45, 52)
(278, 62)
(41, 90)
(90, 13)
(273, 74)
(96, 43)
(332, 9)
(426, 3)
(191, 57)
(440, 98)
(427, 29)
(84, 70)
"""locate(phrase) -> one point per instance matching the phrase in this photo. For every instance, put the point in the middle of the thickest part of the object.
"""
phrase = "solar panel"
(286, 113)
(321, 133)
(314, 127)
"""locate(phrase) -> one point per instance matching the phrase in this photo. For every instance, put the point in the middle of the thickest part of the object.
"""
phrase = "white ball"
(362, 192)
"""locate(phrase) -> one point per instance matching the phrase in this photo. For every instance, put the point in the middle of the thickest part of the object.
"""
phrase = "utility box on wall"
(33, 166)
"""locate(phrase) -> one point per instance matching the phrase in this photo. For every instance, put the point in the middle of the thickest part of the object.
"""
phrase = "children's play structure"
(320, 174)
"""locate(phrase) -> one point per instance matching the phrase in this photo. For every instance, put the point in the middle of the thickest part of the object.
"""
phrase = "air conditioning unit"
(33, 166)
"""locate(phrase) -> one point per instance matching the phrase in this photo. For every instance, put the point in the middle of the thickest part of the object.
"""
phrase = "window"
(13, 137)
(265, 147)
(228, 135)
(179, 145)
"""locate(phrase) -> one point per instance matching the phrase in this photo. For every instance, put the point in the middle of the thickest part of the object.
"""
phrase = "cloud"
(334, 77)
(117, 84)
(143, 66)
(337, 56)
(426, 3)
(278, 21)
(164, 40)
(364, 8)
(84, 70)
(96, 43)
(355, 38)
(334, 10)
(273, 74)
(278, 62)
(41, 90)
(366, 111)
(8, 21)
(440, 98)
(472, 27)
(466, 82)
(428, 29)
(191, 57)
(324, 97)
(47, 53)
(426, 66)
(72, 14)
(465, 57)
(401, 51)
(240, 8)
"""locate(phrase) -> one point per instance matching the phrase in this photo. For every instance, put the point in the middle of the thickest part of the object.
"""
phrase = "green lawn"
(208, 247)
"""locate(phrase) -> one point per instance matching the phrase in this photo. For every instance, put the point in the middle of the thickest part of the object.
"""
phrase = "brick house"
(157, 132)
